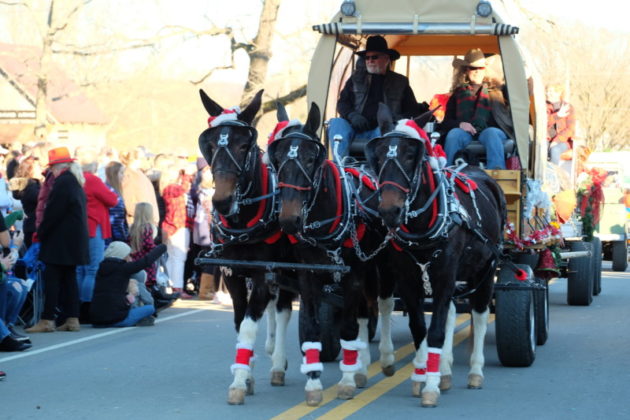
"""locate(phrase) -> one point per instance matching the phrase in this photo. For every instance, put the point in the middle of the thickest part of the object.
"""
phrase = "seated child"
(112, 303)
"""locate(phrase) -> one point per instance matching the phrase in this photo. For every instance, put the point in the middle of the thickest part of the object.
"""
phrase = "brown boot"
(206, 287)
(44, 325)
(71, 324)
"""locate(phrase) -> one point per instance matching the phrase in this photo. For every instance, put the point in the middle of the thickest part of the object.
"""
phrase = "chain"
(426, 283)
(335, 256)
(357, 245)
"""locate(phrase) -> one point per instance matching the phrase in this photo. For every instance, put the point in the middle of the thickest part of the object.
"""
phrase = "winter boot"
(44, 325)
(206, 287)
(71, 324)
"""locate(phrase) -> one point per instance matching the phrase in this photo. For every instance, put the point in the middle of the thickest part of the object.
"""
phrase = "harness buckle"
(392, 151)
(243, 237)
(293, 152)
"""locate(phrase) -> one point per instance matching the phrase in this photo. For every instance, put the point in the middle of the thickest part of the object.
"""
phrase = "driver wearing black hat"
(371, 82)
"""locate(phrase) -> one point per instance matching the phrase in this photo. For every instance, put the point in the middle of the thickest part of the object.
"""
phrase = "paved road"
(179, 369)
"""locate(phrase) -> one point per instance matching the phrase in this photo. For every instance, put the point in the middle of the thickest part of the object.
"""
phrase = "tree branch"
(205, 76)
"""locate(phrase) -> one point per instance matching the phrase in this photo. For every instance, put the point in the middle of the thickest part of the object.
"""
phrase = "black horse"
(245, 227)
(450, 222)
(324, 209)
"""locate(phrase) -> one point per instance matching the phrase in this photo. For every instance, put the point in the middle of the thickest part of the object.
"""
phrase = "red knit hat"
(59, 155)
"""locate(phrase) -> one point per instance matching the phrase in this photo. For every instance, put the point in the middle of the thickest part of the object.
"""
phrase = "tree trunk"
(41, 107)
(260, 52)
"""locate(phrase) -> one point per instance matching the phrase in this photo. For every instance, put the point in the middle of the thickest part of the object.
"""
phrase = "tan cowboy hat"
(473, 58)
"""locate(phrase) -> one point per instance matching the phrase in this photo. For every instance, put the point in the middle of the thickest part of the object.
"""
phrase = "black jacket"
(28, 198)
(109, 302)
(63, 232)
(395, 92)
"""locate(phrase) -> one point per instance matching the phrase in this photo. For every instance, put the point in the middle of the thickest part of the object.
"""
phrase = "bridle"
(440, 193)
(241, 170)
(296, 139)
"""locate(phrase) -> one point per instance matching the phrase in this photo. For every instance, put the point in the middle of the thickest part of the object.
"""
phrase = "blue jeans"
(556, 150)
(86, 274)
(4, 331)
(12, 297)
(342, 127)
(134, 315)
(492, 138)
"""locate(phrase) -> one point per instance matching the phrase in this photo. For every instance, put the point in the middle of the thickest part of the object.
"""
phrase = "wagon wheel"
(619, 255)
(515, 321)
(580, 276)
(597, 266)
(329, 317)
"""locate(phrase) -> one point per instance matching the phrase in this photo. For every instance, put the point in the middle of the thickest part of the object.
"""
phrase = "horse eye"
(243, 148)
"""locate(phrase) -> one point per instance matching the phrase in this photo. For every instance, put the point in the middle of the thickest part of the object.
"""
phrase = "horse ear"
(282, 113)
(425, 117)
(385, 118)
(314, 118)
(212, 107)
(252, 109)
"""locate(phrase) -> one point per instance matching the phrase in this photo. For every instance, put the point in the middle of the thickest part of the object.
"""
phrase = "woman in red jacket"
(99, 200)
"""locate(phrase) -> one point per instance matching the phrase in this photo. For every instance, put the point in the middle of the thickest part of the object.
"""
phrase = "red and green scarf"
(473, 105)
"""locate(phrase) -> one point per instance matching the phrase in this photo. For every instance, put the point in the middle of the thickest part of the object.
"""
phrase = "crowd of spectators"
(112, 237)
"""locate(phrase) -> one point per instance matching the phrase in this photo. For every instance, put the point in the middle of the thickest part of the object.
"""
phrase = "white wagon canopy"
(429, 34)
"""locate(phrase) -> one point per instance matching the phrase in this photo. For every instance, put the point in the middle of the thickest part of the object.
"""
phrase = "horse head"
(397, 158)
(229, 145)
(297, 156)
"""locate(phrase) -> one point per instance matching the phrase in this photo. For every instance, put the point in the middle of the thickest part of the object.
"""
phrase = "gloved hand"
(359, 122)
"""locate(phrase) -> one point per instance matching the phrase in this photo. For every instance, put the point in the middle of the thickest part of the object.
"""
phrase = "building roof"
(66, 102)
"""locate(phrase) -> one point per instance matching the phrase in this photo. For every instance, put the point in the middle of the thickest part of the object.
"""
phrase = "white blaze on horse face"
(480, 326)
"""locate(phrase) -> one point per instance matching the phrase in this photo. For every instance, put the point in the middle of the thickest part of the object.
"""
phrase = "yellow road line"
(330, 393)
(377, 390)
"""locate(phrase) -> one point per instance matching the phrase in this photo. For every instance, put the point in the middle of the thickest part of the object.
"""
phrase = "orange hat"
(59, 155)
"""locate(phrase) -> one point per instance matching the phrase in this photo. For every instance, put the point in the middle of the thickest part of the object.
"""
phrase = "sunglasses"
(372, 57)
(476, 68)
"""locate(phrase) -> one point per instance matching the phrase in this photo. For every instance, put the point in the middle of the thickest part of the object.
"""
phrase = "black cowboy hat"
(377, 43)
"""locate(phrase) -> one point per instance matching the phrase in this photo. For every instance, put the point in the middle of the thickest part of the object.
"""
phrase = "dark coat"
(63, 232)
(28, 197)
(396, 93)
(109, 302)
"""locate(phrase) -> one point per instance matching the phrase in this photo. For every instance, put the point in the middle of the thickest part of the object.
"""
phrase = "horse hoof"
(430, 399)
(277, 378)
(416, 389)
(388, 370)
(345, 392)
(360, 380)
(446, 382)
(314, 398)
(250, 386)
(236, 396)
(475, 381)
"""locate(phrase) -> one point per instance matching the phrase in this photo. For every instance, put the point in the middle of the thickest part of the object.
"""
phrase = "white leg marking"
(446, 360)
(270, 341)
(364, 354)
(246, 336)
(480, 326)
(313, 385)
(279, 356)
(386, 346)
(432, 384)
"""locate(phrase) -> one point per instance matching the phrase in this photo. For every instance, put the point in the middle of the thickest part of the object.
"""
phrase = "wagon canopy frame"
(430, 28)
